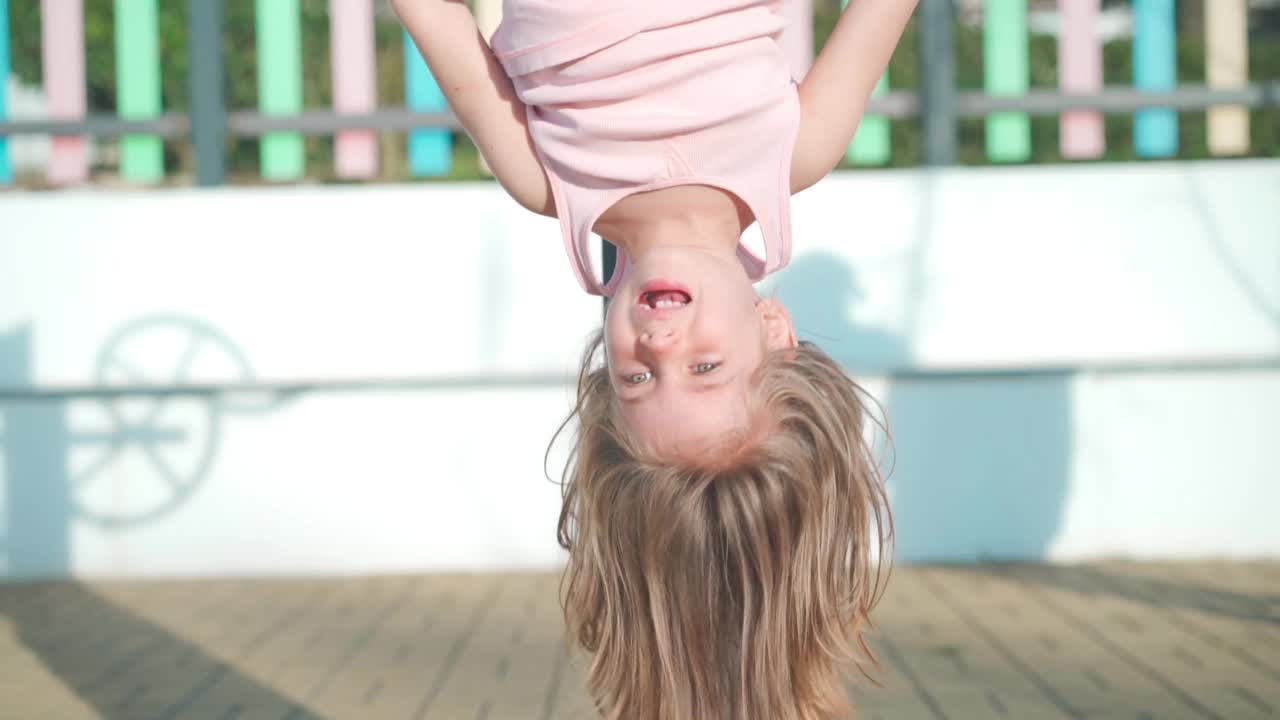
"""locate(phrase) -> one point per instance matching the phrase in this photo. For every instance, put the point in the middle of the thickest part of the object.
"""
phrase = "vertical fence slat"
(488, 16)
(278, 26)
(62, 53)
(6, 168)
(1227, 59)
(1006, 72)
(208, 100)
(137, 28)
(355, 152)
(871, 145)
(797, 38)
(430, 150)
(938, 84)
(1155, 130)
(1082, 133)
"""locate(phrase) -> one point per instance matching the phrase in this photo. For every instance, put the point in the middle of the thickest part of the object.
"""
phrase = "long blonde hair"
(737, 586)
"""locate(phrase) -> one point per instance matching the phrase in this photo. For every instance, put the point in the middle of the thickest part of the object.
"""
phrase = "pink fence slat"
(355, 90)
(62, 44)
(797, 39)
(1227, 68)
(1082, 134)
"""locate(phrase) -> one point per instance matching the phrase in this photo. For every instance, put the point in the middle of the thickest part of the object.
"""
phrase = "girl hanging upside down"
(726, 521)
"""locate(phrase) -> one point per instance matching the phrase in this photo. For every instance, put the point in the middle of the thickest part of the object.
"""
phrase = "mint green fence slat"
(137, 29)
(872, 144)
(279, 36)
(1006, 72)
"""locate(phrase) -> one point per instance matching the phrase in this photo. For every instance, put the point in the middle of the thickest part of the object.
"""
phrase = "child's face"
(684, 333)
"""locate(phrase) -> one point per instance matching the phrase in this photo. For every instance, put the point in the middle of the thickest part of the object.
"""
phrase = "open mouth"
(662, 295)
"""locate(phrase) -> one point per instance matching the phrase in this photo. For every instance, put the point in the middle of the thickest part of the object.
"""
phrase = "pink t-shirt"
(625, 96)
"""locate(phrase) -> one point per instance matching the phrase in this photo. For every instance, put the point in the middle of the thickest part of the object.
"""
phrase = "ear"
(779, 333)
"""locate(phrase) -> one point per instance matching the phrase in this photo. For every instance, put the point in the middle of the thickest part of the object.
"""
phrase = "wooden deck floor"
(989, 641)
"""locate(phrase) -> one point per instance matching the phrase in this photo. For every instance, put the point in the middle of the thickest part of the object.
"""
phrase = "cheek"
(616, 337)
(740, 330)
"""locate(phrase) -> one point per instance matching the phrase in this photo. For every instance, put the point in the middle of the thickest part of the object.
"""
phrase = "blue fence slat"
(1155, 67)
(431, 150)
(6, 168)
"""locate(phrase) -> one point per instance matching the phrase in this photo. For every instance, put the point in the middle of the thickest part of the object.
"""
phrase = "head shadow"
(822, 290)
(980, 462)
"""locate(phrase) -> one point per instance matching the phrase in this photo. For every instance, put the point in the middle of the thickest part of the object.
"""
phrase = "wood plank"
(901, 692)
(1237, 609)
(468, 690)
(1030, 659)
(355, 684)
(536, 644)
(1084, 668)
(570, 700)
(27, 687)
(1228, 687)
(358, 606)
(199, 682)
(1138, 633)
(428, 658)
(145, 653)
(927, 649)
(1224, 609)
(1109, 640)
(242, 672)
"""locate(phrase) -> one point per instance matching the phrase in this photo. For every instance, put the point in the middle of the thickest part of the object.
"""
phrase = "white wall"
(1072, 273)
(1048, 265)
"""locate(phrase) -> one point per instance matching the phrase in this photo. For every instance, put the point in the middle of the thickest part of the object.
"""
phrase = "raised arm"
(480, 94)
(834, 94)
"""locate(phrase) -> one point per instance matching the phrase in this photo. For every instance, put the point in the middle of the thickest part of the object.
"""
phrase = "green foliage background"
(240, 57)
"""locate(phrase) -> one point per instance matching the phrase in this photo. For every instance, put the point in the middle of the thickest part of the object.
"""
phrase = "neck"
(703, 235)
(694, 216)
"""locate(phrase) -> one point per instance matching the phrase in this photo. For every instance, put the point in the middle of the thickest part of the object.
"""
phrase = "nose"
(659, 340)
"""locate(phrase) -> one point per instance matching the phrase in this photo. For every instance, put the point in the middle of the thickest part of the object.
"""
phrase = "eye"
(639, 378)
(704, 368)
